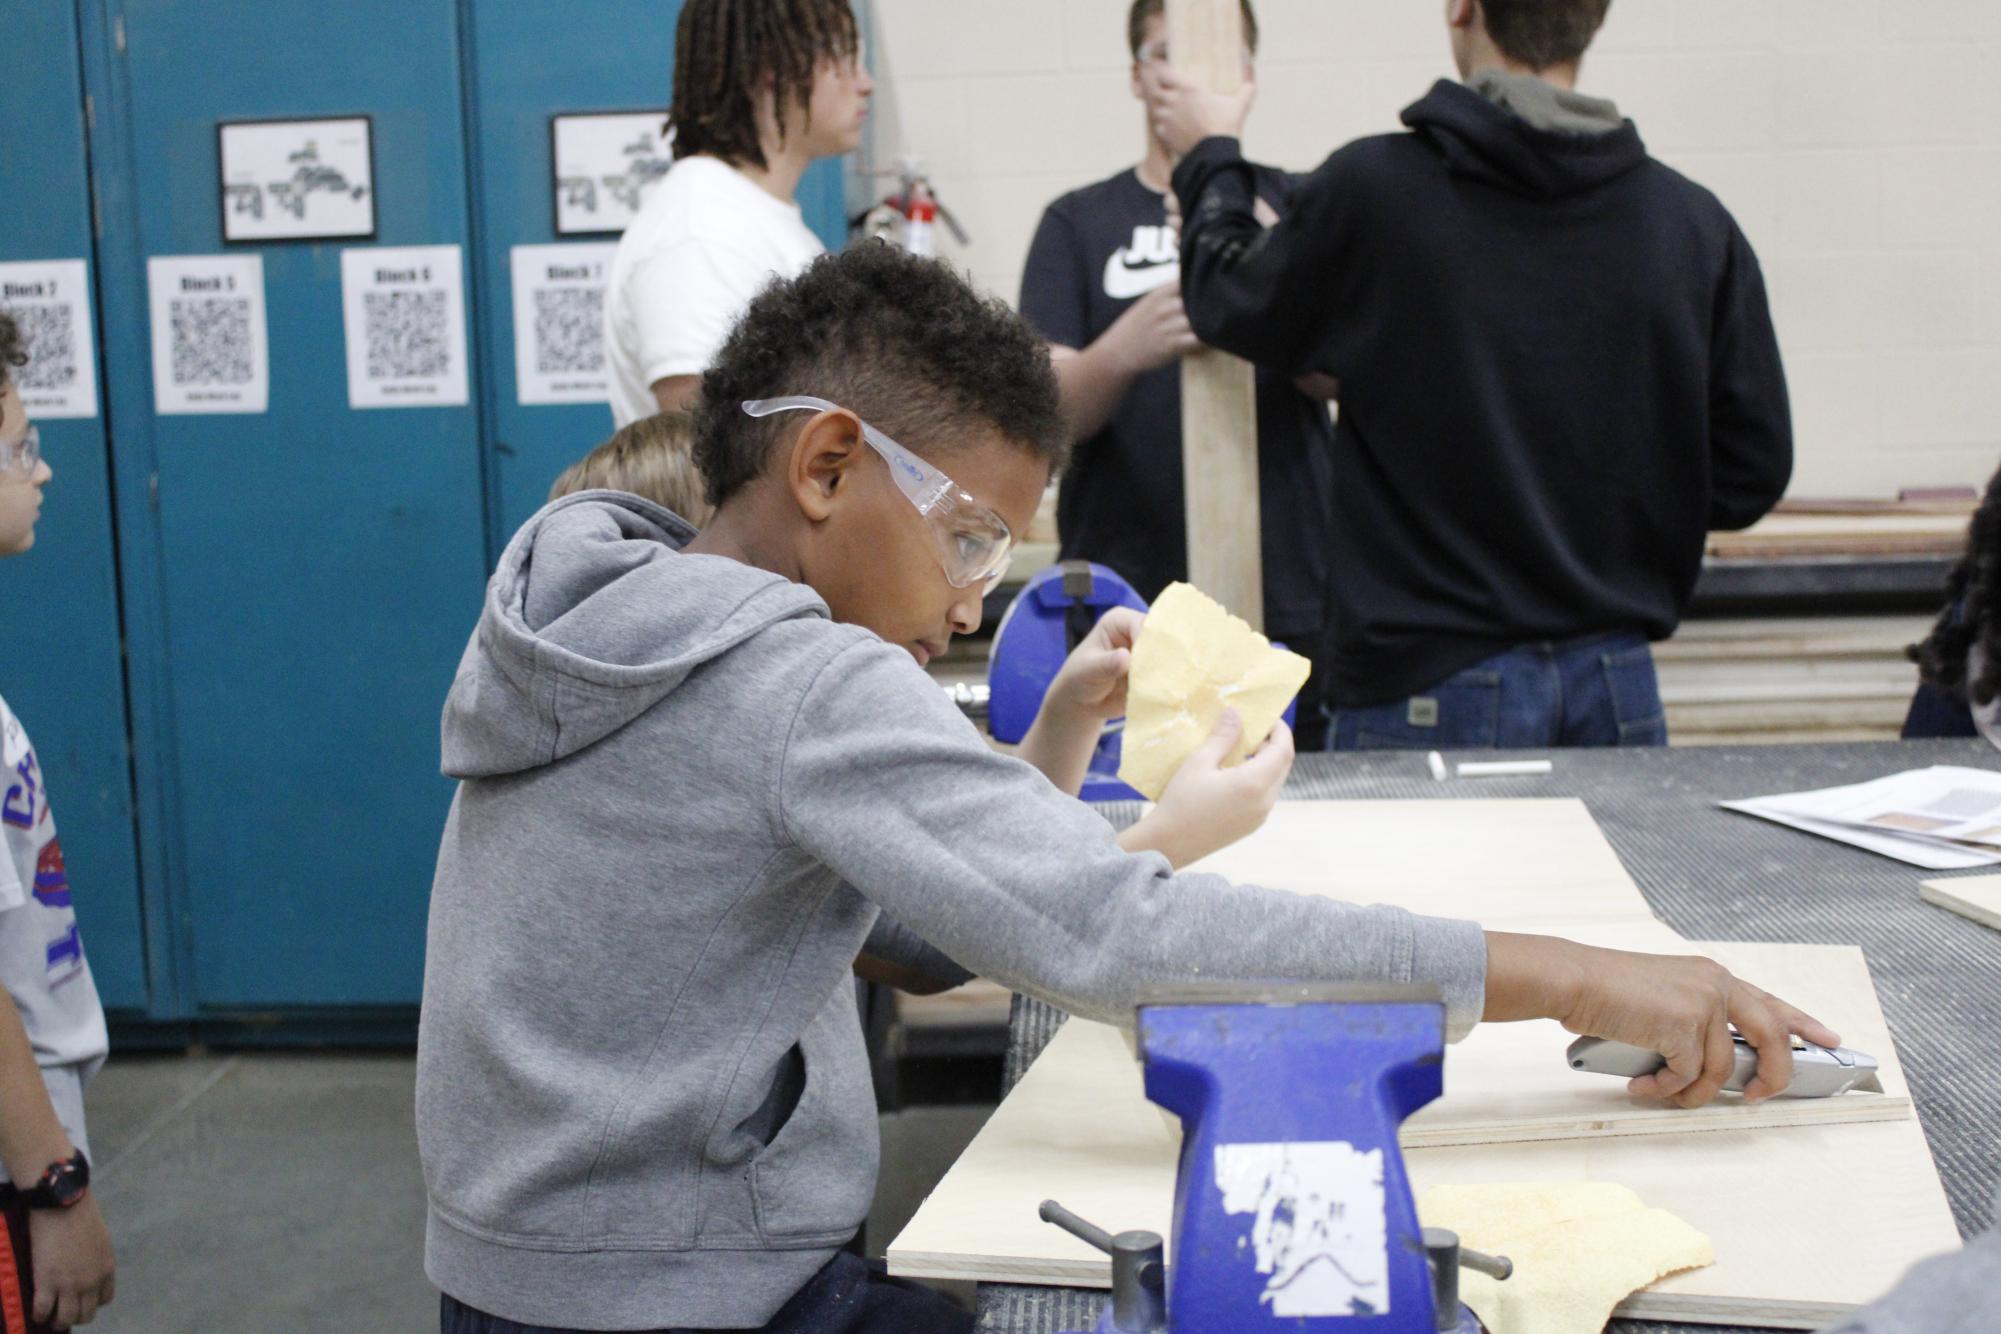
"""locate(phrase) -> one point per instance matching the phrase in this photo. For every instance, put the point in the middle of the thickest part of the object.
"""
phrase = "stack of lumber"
(1779, 679)
(1859, 529)
(1779, 1188)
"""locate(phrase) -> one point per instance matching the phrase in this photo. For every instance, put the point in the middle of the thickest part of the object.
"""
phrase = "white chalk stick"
(1503, 768)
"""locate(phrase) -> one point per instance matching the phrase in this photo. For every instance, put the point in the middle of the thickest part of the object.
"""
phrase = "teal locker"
(60, 663)
(299, 581)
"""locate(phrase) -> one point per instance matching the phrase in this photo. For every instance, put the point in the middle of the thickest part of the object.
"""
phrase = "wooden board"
(1779, 1204)
(1514, 865)
(1507, 1083)
(1219, 417)
(1797, 534)
(1977, 897)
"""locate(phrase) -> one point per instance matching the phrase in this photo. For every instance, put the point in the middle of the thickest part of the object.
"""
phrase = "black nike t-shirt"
(1098, 250)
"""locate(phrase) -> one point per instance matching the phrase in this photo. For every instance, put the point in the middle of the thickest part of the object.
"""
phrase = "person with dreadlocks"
(761, 89)
(1959, 662)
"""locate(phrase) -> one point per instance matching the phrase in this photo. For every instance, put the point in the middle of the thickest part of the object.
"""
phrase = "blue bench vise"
(1292, 1207)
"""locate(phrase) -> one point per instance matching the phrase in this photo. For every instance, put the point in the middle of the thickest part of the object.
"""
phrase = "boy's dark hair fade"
(904, 343)
(725, 51)
(1542, 33)
(1143, 10)
(13, 348)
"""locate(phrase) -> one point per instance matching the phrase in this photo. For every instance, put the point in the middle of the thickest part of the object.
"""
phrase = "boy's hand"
(1679, 1006)
(1091, 684)
(1152, 332)
(74, 1269)
(1206, 807)
(1183, 114)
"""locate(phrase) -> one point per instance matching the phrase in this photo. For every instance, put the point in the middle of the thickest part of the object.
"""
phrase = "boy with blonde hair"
(652, 458)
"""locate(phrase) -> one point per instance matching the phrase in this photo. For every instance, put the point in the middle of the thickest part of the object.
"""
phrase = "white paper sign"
(404, 309)
(286, 180)
(1320, 1225)
(559, 322)
(605, 162)
(50, 301)
(210, 349)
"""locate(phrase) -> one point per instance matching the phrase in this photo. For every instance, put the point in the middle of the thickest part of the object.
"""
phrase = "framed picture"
(601, 163)
(297, 180)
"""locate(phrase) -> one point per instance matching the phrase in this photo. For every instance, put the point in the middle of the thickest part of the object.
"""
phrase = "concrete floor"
(280, 1194)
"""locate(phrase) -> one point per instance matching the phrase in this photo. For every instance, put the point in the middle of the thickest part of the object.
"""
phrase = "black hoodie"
(1557, 372)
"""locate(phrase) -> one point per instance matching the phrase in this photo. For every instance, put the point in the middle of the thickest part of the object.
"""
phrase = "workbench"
(1711, 875)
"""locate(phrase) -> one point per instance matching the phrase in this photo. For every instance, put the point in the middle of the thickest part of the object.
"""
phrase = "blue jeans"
(849, 1296)
(1599, 690)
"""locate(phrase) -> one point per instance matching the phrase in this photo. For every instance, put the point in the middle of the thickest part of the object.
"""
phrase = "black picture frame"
(223, 188)
(557, 183)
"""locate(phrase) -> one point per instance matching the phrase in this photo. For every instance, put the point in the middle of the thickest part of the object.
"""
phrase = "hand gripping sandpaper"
(1192, 660)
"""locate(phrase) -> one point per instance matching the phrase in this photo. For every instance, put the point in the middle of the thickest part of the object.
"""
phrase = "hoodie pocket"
(816, 1177)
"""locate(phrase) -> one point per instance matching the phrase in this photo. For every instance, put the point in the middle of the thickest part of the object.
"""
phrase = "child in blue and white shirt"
(55, 1255)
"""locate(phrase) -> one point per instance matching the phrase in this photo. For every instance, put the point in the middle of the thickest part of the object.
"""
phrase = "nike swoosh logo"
(1124, 279)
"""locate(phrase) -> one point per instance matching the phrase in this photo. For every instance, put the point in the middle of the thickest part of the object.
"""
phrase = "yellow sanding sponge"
(1579, 1248)
(1192, 660)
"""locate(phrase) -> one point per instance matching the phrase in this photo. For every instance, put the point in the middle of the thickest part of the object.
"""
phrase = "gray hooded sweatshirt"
(688, 799)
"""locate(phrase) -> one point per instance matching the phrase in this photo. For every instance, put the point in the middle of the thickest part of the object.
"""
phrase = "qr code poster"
(50, 301)
(404, 309)
(296, 180)
(210, 349)
(604, 162)
(559, 322)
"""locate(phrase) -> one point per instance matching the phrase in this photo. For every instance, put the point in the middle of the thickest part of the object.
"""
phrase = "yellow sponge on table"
(1579, 1249)
(1192, 660)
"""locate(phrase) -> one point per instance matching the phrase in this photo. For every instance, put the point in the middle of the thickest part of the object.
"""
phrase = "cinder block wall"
(1857, 141)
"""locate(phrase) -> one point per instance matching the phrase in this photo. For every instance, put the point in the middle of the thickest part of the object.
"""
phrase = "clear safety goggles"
(974, 544)
(23, 453)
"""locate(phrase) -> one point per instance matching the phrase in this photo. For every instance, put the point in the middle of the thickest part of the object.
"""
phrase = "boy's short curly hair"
(904, 343)
(13, 348)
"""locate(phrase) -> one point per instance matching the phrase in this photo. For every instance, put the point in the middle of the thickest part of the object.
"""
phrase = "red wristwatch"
(61, 1186)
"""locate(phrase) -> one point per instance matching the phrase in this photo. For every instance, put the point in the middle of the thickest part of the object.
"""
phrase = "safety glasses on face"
(22, 454)
(974, 543)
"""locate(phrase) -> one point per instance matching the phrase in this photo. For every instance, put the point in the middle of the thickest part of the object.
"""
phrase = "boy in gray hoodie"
(702, 773)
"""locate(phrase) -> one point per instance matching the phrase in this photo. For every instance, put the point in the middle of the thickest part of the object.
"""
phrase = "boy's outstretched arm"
(73, 1273)
(881, 782)
(1680, 1006)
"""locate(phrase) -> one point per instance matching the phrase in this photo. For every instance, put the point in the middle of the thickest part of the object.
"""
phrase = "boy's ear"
(819, 469)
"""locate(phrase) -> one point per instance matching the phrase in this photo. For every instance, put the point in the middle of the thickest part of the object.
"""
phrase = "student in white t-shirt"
(55, 1256)
(761, 89)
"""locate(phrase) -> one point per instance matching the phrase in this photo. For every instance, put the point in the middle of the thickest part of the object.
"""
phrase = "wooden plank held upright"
(1219, 415)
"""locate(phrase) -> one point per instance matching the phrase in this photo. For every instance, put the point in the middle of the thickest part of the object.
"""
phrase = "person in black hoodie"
(1556, 373)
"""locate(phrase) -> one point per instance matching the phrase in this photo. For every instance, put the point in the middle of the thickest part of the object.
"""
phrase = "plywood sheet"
(1977, 897)
(1510, 865)
(1780, 1204)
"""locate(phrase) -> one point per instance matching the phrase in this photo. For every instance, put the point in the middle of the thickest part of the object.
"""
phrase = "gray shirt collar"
(1544, 105)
